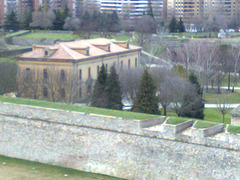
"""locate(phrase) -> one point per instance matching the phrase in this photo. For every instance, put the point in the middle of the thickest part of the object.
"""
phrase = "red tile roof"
(69, 50)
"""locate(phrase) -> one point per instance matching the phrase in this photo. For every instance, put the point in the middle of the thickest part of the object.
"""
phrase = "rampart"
(132, 149)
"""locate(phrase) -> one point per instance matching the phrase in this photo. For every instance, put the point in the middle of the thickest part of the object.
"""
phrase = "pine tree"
(146, 100)
(173, 25)
(149, 10)
(98, 97)
(113, 91)
(193, 105)
(180, 26)
(11, 22)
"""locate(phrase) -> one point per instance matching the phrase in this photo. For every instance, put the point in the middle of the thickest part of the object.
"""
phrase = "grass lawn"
(176, 120)
(107, 112)
(211, 97)
(204, 124)
(211, 114)
(67, 36)
(234, 129)
(8, 59)
(48, 36)
(12, 168)
(15, 33)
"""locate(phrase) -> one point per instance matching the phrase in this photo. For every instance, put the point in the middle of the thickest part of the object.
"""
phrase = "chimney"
(33, 47)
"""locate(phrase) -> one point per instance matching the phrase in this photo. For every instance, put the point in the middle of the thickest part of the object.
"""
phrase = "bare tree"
(144, 26)
(7, 77)
(235, 54)
(72, 24)
(43, 19)
(222, 105)
(129, 79)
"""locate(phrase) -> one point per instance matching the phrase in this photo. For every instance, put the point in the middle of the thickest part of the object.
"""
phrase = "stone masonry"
(119, 147)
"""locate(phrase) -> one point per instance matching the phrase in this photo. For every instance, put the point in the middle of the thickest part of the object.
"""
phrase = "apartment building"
(133, 8)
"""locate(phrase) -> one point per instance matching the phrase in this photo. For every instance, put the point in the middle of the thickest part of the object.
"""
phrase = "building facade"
(67, 71)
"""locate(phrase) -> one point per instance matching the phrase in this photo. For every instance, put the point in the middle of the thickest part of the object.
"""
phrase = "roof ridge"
(67, 50)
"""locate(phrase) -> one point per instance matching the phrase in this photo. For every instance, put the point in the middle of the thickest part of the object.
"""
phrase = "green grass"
(176, 120)
(211, 97)
(15, 33)
(211, 114)
(107, 112)
(13, 168)
(204, 124)
(66, 36)
(8, 59)
(48, 36)
(233, 129)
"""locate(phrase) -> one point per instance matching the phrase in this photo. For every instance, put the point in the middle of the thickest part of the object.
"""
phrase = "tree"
(72, 24)
(145, 25)
(222, 106)
(129, 79)
(8, 77)
(146, 100)
(98, 98)
(149, 9)
(61, 16)
(12, 22)
(173, 25)
(180, 26)
(42, 19)
(113, 91)
(193, 105)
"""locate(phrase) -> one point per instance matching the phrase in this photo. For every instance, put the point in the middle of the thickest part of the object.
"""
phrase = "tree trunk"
(219, 89)
(223, 118)
(164, 110)
(228, 81)
(233, 88)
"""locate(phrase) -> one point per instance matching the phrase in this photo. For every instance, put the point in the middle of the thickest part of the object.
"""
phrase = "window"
(46, 53)
(129, 64)
(45, 92)
(80, 92)
(80, 74)
(62, 93)
(89, 89)
(89, 72)
(106, 67)
(45, 74)
(27, 69)
(62, 75)
(97, 70)
(136, 62)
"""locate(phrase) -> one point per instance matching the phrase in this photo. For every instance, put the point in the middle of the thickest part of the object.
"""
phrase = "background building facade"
(67, 71)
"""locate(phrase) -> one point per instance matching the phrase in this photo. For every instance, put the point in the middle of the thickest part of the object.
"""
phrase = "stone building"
(66, 71)
(235, 116)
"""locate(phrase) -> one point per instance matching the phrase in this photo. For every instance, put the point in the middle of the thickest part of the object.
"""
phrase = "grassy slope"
(8, 59)
(107, 112)
(12, 168)
(65, 36)
(176, 120)
(212, 97)
(204, 124)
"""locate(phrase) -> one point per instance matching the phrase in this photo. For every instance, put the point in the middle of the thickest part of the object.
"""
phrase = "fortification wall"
(69, 139)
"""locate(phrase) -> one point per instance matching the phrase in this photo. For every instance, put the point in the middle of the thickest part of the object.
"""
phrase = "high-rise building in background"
(132, 8)
(164, 10)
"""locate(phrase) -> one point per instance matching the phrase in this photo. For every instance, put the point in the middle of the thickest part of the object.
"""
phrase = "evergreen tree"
(61, 16)
(98, 97)
(146, 100)
(113, 91)
(149, 10)
(180, 26)
(27, 18)
(193, 105)
(173, 25)
(12, 22)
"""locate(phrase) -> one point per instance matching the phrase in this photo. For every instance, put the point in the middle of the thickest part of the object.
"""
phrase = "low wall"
(69, 139)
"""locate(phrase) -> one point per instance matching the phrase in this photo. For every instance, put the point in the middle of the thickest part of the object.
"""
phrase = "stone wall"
(113, 146)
